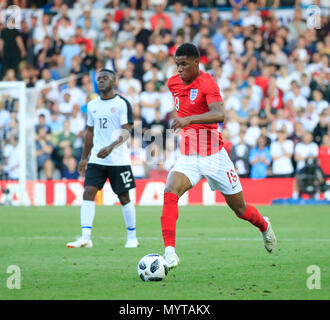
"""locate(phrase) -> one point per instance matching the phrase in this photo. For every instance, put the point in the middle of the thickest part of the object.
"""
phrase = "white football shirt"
(107, 116)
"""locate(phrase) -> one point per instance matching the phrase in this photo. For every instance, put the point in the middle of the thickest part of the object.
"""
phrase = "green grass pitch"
(222, 257)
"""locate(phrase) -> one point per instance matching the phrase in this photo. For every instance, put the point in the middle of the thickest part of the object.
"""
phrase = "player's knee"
(171, 189)
(124, 198)
(89, 193)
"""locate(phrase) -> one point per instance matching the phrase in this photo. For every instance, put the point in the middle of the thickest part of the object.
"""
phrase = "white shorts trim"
(217, 169)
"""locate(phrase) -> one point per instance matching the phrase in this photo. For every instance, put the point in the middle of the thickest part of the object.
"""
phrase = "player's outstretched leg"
(129, 215)
(168, 222)
(177, 185)
(87, 213)
(250, 213)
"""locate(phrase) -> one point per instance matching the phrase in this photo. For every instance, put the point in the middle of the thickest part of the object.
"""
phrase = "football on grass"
(152, 267)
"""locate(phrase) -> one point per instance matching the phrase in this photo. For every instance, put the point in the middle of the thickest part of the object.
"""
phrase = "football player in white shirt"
(109, 120)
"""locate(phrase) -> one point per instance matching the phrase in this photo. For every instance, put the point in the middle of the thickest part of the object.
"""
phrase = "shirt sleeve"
(90, 120)
(126, 114)
(212, 91)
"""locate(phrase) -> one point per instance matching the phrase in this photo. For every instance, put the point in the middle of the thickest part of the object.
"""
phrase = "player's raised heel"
(80, 243)
(269, 237)
(172, 260)
(131, 243)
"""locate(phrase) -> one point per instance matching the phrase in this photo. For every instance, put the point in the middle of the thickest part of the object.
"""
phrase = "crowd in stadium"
(274, 80)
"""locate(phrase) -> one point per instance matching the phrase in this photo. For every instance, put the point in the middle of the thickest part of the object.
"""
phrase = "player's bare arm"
(215, 115)
(123, 137)
(88, 144)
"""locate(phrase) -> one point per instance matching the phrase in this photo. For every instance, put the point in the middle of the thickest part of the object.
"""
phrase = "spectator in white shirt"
(128, 81)
(281, 152)
(65, 29)
(39, 33)
(305, 149)
(157, 46)
(232, 124)
(301, 52)
(284, 81)
(66, 105)
(12, 158)
(318, 101)
(177, 17)
(282, 123)
(89, 32)
(47, 86)
(231, 101)
(253, 16)
(253, 132)
(149, 101)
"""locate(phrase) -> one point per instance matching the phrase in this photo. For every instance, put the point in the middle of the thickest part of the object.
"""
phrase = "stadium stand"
(273, 75)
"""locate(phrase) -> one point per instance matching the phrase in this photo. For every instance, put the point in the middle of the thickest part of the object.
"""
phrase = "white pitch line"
(158, 238)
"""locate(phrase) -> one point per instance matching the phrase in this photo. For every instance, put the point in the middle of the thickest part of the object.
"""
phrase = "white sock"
(87, 213)
(130, 220)
(169, 250)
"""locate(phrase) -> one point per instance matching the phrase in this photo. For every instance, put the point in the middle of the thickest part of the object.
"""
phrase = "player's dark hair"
(110, 71)
(188, 50)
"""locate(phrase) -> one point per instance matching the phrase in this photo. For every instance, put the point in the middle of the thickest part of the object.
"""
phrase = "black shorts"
(121, 177)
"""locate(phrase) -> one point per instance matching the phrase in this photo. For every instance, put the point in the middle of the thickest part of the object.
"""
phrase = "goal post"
(16, 93)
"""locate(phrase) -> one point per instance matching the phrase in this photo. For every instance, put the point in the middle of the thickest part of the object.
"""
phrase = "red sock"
(252, 215)
(169, 217)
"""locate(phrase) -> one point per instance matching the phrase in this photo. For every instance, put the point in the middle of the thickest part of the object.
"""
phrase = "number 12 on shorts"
(126, 176)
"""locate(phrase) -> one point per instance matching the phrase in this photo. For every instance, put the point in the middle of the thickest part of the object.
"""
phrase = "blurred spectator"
(56, 123)
(324, 155)
(141, 33)
(281, 152)
(44, 148)
(4, 118)
(298, 133)
(66, 138)
(77, 125)
(260, 158)
(70, 170)
(187, 32)
(40, 32)
(12, 48)
(128, 81)
(12, 158)
(253, 132)
(42, 124)
(253, 16)
(310, 180)
(232, 124)
(321, 129)
(305, 149)
(160, 15)
(319, 103)
(69, 50)
(47, 86)
(66, 106)
(240, 156)
(282, 123)
(149, 101)
(177, 17)
(49, 172)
